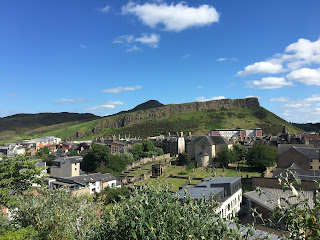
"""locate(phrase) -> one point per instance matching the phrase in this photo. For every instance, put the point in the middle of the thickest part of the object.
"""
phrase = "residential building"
(89, 184)
(226, 190)
(66, 167)
(266, 200)
(203, 149)
(237, 133)
(305, 157)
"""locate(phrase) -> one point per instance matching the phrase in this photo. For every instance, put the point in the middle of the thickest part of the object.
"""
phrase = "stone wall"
(143, 161)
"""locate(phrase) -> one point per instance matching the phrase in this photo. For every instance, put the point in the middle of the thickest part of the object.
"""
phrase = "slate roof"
(73, 159)
(285, 147)
(198, 192)
(311, 153)
(209, 140)
(308, 175)
(84, 179)
(269, 197)
(221, 180)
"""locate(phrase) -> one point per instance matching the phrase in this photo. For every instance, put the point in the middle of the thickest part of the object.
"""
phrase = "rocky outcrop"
(168, 111)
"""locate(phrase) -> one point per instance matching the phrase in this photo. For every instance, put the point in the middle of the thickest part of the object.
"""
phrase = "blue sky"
(104, 56)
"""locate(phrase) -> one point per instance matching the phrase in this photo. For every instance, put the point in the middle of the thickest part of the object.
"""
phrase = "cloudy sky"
(103, 56)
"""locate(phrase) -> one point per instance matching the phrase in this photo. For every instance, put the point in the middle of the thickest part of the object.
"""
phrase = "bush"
(156, 213)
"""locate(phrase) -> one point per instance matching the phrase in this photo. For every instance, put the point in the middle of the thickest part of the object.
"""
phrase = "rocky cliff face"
(168, 111)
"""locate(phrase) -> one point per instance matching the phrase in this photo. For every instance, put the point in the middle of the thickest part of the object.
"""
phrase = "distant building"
(305, 157)
(237, 133)
(66, 167)
(226, 190)
(85, 184)
(203, 149)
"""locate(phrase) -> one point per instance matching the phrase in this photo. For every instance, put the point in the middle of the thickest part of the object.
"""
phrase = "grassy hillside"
(162, 120)
(22, 126)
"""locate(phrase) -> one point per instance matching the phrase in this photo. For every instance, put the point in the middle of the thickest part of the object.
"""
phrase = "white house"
(226, 190)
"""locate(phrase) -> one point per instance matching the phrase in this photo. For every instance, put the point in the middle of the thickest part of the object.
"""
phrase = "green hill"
(196, 117)
(20, 126)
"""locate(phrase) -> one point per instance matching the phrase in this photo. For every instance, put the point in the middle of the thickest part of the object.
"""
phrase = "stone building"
(203, 149)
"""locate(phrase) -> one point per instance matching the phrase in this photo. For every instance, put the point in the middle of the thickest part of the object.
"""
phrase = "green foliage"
(240, 151)
(261, 156)
(226, 156)
(260, 114)
(145, 149)
(137, 151)
(109, 195)
(16, 176)
(183, 159)
(301, 221)
(156, 213)
(190, 167)
(147, 146)
(57, 214)
(99, 159)
(73, 153)
(128, 157)
(96, 155)
(45, 155)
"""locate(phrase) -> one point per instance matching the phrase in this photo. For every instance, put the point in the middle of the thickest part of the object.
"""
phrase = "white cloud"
(234, 59)
(306, 75)
(71, 100)
(133, 48)
(313, 98)
(130, 41)
(199, 86)
(114, 103)
(280, 99)
(296, 105)
(203, 99)
(303, 52)
(152, 40)
(261, 67)
(269, 83)
(173, 17)
(83, 46)
(124, 39)
(105, 9)
(121, 89)
(221, 59)
(298, 54)
(318, 104)
(11, 94)
(251, 96)
(106, 105)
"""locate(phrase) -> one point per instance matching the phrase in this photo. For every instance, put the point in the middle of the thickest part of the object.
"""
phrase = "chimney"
(169, 134)
(181, 134)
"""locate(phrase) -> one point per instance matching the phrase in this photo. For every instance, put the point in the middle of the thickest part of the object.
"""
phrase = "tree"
(261, 156)
(226, 156)
(45, 155)
(158, 151)
(147, 146)
(183, 159)
(96, 155)
(137, 151)
(58, 214)
(240, 151)
(128, 157)
(16, 176)
(155, 213)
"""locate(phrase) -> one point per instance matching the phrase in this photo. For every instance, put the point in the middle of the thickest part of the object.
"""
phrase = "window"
(311, 167)
(75, 169)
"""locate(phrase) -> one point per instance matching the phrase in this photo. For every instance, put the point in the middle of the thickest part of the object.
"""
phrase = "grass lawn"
(230, 172)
